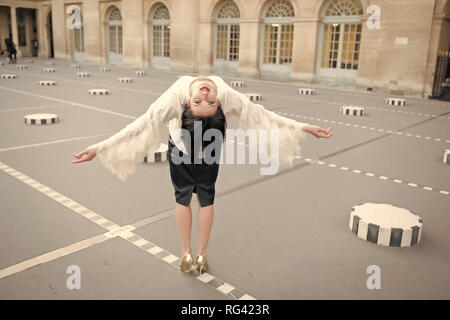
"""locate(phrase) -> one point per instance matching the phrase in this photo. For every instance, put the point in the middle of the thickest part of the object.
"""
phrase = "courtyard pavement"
(284, 236)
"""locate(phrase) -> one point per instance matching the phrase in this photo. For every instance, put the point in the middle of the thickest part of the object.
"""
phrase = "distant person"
(11, 47)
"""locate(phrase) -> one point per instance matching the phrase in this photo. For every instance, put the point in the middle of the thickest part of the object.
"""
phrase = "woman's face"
(203, 97)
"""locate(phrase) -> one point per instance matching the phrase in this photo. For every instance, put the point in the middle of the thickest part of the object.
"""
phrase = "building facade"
(377, 44)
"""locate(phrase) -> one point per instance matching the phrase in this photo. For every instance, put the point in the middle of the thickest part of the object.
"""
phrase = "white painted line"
(140, 242)
(52, 194)
(53, 255)
(51, 142)
(397, 181)
(225, 288)
(428, 188)
(383, 177)
(119, 231)
(205, 277)
(101, 221)
(90, 214)
(412, 184)
(170, 258)
(370, 174)
(31, 108)
(155, 250)
(76, 104)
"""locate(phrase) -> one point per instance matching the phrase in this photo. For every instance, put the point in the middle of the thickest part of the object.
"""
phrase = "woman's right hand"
(85, 155)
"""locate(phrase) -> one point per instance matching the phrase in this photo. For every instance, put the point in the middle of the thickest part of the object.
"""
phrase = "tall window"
(115, 32)
(78, 43)
(341, 34)
(21, 27)
(227, 32)
(161, 32)
(278, 33)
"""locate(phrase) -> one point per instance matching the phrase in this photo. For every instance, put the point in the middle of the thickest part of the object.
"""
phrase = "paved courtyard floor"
(284, 236)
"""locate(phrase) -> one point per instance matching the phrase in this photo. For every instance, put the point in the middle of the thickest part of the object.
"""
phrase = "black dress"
(192, 177)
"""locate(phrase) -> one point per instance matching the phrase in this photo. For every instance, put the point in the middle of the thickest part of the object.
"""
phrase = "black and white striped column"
(385, 224)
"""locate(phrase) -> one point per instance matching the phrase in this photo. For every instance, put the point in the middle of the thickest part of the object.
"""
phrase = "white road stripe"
(370, 174)
(53, 255)
(51, 142)
(371, 128)
(52, 194)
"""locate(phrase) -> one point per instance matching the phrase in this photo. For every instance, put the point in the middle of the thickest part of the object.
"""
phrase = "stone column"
(305, 48)
(132, 33)
(59, 26)
(41, 35)
(204, 50)
(249, 48)
(92, 28)
(183, 38)
(15, 32)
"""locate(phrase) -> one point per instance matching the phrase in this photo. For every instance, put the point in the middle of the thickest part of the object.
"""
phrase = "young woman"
(218, 106)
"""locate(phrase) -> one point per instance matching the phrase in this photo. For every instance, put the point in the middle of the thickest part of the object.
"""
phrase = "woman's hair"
(216, 121)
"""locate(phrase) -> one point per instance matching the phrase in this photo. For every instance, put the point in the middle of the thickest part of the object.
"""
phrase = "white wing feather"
(123, 151)
(244, 114)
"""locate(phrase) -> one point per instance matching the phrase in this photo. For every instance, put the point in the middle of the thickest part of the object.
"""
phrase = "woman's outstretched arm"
(251, 115)
(123, 151)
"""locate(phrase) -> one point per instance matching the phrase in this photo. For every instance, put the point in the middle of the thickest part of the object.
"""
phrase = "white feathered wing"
(241, 113)
(123, 151)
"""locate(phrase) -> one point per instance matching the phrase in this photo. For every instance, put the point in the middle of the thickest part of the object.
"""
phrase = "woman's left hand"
(319, 132)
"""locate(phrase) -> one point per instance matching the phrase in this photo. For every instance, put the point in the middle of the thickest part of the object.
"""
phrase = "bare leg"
(204, 224)
(183, 215)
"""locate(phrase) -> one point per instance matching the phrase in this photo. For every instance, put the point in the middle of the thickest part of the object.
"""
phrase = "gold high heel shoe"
(202, 263)
(187, 263)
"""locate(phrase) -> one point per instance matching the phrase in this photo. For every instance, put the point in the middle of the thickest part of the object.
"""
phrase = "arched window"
(341, 40)
(227, 36)
(344, 8)
(161, 32)
(278, 33)
(278, 37)
(115, 36)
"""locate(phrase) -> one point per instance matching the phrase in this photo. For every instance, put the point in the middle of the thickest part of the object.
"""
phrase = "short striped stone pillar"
(237, 83)
(75, 66)
(160, 155)
(49, 70)
(125, 80)
(306, 91)
(41, 118)
(140, 73)
(47, 83)
(83, 74)
(352, 110)
(105, 69)
(385, 224)
(396, 102)
(98, 92)
(447, 156)
(8, 76)
(254, 96)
